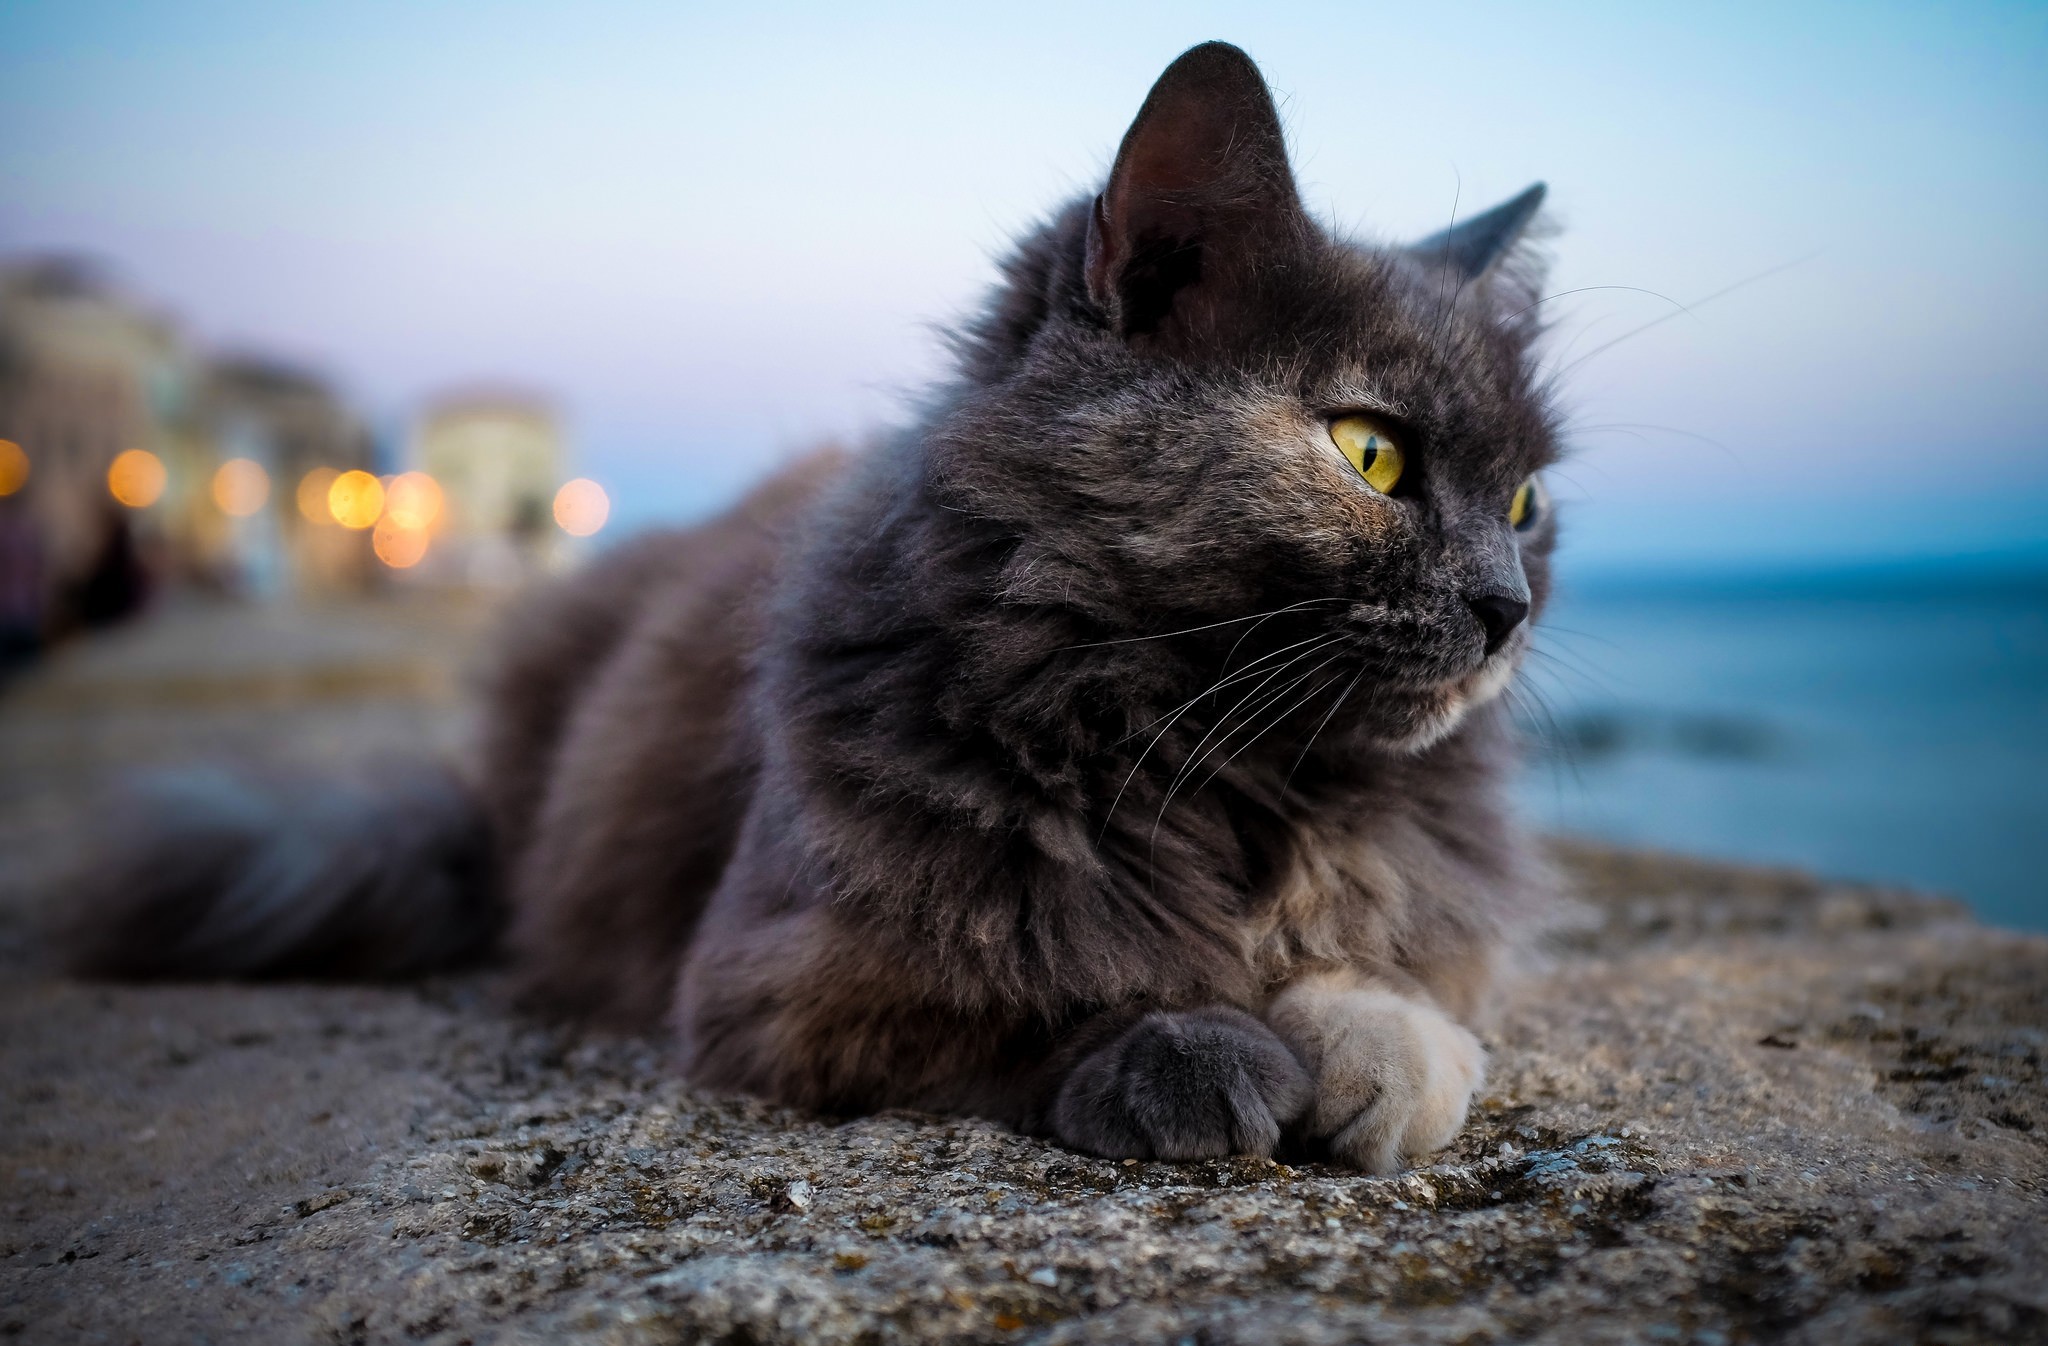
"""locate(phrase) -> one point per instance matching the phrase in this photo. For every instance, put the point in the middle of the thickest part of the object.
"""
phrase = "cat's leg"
(791, 995)
(803, 1008)
(1188, 1084)
(1393, 1074)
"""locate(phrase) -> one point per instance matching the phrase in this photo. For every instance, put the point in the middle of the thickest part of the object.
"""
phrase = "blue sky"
(716, 236)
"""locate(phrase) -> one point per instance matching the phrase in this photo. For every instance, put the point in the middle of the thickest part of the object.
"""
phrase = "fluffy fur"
(1101, 755)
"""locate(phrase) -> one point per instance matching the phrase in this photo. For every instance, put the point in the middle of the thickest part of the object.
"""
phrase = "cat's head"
(1190, 403)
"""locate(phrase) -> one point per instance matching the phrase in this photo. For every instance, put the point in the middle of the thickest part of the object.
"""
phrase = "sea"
(1885, 723)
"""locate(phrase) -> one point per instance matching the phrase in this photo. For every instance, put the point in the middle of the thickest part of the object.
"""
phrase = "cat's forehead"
(1371, 328)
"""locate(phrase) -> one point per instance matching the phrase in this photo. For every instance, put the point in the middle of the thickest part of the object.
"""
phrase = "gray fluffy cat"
(1117, 753)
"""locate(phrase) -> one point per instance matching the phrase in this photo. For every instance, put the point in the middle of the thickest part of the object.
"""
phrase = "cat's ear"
(1200, 197)
(1473, 247)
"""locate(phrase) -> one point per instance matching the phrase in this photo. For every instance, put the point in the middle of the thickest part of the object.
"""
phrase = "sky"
(715, 235)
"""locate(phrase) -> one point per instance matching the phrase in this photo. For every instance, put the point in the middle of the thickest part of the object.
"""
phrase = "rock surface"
(1733, 1106)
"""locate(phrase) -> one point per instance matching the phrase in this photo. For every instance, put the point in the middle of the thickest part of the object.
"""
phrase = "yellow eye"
(1527, 506)
(1367, 446)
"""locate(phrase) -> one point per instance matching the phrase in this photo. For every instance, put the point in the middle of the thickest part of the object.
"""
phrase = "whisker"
(1697, 303)
(1576, 634)
(1577, 670)
(1218, 686)
(1562, 749)
(1187, 631)
(1436, 324)
(1277, 720)
(1189, 705)
(1321, 725)
(1630, 426)
(1196, 758)
(1253, 630)
(1589, 289)
(1551, 375)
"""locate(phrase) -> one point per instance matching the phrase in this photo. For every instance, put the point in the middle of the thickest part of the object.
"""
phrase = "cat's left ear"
(1476, 246)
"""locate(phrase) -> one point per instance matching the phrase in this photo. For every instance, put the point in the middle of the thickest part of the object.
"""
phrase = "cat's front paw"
(1197, 1084)
(1394, 1075)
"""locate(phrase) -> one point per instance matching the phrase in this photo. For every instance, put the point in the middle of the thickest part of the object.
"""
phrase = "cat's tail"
(206, 872)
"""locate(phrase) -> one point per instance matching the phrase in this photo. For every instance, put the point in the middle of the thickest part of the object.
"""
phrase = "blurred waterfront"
(1888, 724)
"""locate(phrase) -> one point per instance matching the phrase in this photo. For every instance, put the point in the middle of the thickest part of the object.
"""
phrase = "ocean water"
(1889, 725)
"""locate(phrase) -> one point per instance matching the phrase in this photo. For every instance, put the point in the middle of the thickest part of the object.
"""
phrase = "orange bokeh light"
(240, 487)
(137, 478)
(413, 501)
(581, 507)
(355, 499)
(313, 489)
(13, 467)
(396, 545)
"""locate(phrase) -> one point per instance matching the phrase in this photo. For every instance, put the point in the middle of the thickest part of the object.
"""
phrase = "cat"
(1118, 753)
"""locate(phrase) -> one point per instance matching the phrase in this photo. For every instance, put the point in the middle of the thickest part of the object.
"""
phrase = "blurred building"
(141, 462)
(293, 427)
(497, 457)
(128, 459)
(85, 375)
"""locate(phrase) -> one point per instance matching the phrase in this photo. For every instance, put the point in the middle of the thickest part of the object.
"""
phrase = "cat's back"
(613, 711)
(553, 639)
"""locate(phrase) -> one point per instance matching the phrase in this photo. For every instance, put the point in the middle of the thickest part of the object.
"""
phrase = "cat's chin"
(1493, 676)
(1438, 712)
(1430, 729)
(1425, 718)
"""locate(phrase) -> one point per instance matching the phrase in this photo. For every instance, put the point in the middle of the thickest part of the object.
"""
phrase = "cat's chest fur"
(1387, 894)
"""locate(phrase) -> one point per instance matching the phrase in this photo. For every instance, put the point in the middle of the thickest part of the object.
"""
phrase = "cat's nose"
(1499, 614)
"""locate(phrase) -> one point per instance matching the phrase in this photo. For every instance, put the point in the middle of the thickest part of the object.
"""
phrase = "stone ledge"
(1747, 1106)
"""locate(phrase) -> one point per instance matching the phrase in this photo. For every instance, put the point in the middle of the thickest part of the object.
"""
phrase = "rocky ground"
(1734, 1106)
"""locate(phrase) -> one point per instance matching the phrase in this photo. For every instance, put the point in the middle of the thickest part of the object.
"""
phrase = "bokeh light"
(355, 499)
(137, 478)
(396, 545)
(413, 501)
(581, 507)
(313, 489)
(240, 487)
(13, 467)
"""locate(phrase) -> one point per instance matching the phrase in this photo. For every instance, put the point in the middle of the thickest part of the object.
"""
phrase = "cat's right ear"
(1200, 198)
